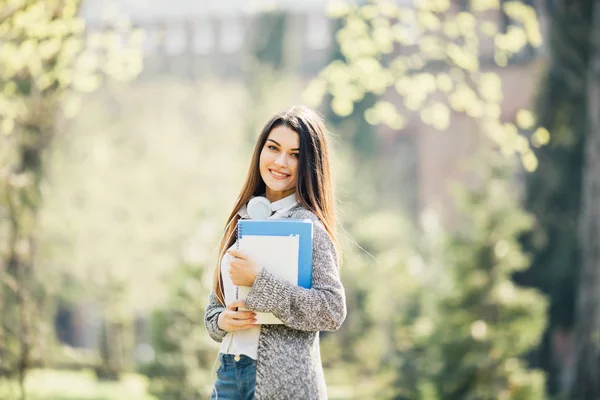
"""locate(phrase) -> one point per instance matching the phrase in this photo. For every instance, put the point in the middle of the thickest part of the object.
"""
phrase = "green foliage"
(486, 322)
(450, 324)
(43, 56)
(184, 353)
(553, 192)
(430, 59)
(123, 196)
(434, 314)
(382, 274)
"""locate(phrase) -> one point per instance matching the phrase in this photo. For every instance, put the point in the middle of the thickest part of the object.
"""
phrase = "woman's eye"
(296, 155)
(271, 147)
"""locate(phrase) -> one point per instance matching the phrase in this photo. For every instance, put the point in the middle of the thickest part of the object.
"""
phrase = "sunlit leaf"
(368, 11)
(356, 26)
(432, 47)
(10, 88)
(489, 28)
(403, 34)
(479, 330)
(463, 58)
(540, 137)
(521, 144)
(444, 82)
(314, 92)
(383, 39)
(490, 87)
(475, 109)
(484, 5)
(7, 126)
(436, 115)
(384, 112)
(428, 21)
(450, 28)
(500, 59)
(407, 14)
(462, 97)
(493, 110)
(530, 161)
(341, 106)
(466, 23)
(525, 119)
(372, 117)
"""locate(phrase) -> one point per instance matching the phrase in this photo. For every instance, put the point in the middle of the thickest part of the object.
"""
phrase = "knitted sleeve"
(321, 308)
(211, 316)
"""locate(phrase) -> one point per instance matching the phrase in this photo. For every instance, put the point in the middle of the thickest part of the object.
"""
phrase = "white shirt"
(244, 341)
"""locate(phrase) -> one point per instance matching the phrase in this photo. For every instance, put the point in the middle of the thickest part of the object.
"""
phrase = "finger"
(242, 324)
(235, 304)
(238, 263)
(243, 315)
(237, 254)
(242, 327)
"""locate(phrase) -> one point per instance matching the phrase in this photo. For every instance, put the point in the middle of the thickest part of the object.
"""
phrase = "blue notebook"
(284, 247)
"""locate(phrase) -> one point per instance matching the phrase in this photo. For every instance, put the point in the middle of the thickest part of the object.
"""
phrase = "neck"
(275, 196)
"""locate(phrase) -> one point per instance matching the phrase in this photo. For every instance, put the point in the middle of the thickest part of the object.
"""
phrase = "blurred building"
(194, 39)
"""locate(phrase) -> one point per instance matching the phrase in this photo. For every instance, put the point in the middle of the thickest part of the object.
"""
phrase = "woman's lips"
(278, 175)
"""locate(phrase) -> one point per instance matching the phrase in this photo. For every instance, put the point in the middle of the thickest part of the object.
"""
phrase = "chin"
(278, 187)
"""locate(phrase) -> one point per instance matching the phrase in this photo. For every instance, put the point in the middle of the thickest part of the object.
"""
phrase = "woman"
(291, 168)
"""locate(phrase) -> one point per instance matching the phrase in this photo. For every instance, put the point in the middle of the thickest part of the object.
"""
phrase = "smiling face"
(278, 162)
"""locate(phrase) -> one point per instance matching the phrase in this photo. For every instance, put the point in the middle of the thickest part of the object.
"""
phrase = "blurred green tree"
(184, 354)
(486, 323)
(553, 190)
(586, 382)
(43, 57)
(356, 130)
(438, 58)
(143, 218)
(384, 283)
(435, 314)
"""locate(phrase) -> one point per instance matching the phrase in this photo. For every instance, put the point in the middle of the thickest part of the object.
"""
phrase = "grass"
(48, 384)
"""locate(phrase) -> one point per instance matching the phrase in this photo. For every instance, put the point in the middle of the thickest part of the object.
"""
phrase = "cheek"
(263, 159)
(294, 168)
(263, 162)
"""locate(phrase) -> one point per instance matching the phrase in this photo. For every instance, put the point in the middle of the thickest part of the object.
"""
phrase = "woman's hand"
(242, 269)
(232, 320)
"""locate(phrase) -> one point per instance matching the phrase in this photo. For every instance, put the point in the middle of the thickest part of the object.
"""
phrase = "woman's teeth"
(278, 175)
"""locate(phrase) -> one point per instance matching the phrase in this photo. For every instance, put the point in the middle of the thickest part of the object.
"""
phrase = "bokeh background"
(467, 166)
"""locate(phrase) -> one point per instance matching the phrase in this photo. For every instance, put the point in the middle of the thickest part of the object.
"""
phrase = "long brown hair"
(314, 188)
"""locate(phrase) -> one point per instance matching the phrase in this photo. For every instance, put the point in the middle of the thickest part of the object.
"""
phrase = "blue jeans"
(236, 380)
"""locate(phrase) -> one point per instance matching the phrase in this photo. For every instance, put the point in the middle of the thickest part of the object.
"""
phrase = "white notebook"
(279, 255)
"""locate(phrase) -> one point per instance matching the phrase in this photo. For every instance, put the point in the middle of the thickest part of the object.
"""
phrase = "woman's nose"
(281, 159)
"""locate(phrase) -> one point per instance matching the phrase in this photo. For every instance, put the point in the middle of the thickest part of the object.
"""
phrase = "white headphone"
(261, 208)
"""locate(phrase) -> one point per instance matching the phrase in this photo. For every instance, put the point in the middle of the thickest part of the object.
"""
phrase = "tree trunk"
(586, 384)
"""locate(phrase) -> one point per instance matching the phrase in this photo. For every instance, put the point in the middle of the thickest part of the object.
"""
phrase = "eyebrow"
(280, 145)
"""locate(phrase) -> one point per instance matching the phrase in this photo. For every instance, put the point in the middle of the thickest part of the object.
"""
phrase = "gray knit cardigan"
(289, 359)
